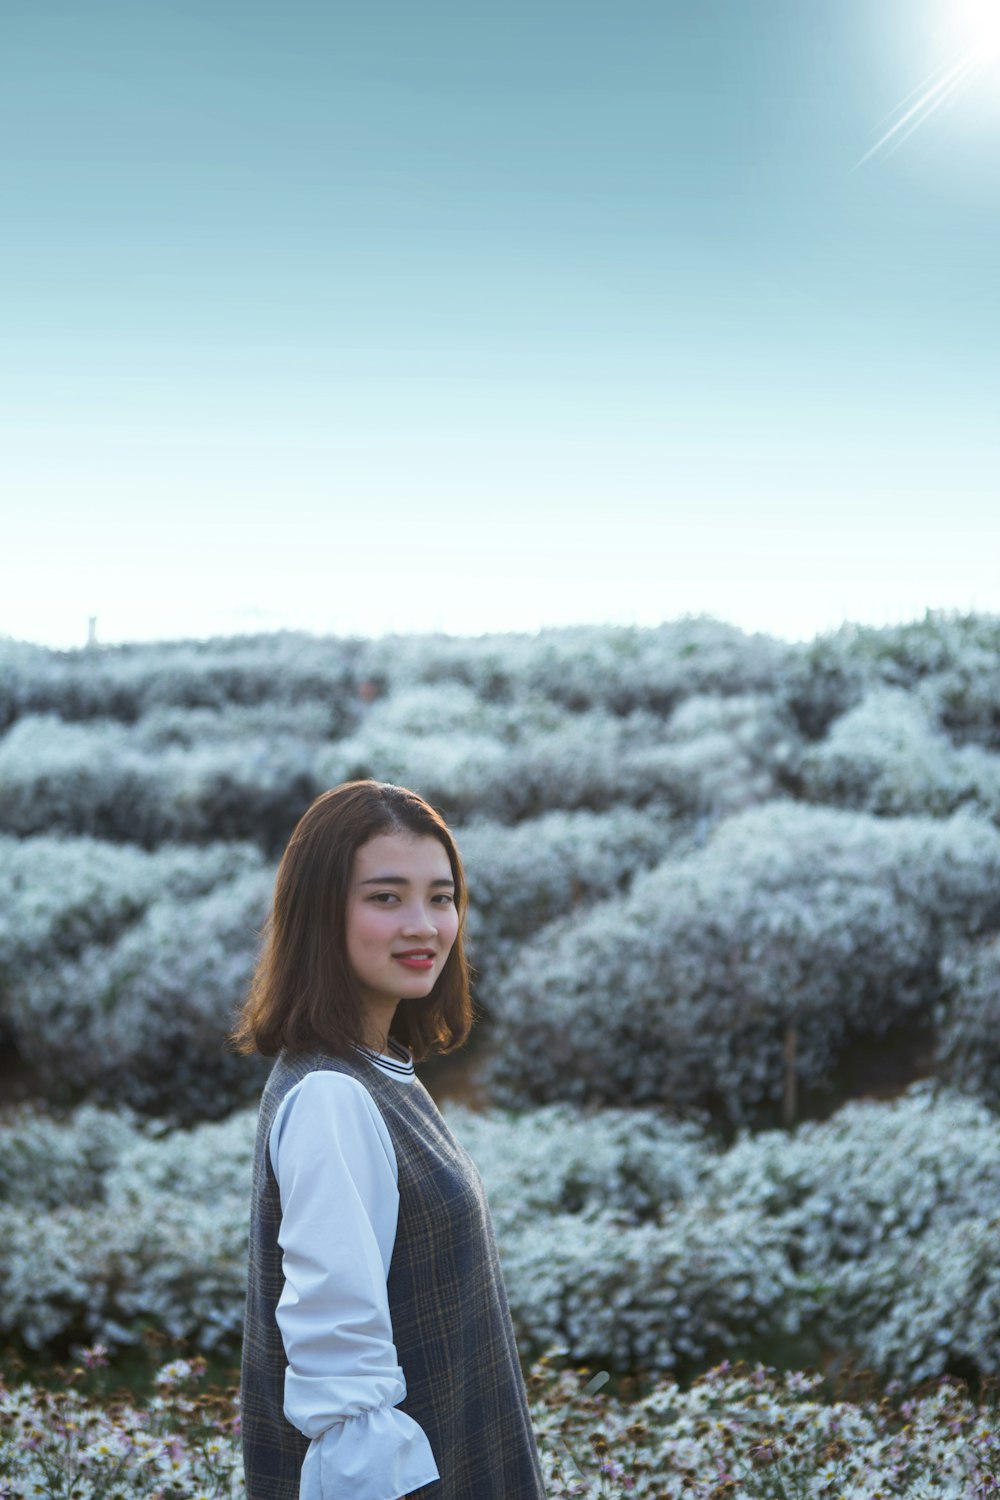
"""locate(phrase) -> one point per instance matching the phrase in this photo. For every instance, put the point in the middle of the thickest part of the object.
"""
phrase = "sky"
(387, 317)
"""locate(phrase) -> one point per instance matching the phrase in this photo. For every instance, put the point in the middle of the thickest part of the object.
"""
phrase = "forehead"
(415, 857)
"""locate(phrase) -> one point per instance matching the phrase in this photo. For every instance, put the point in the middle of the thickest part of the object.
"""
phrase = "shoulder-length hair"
(303, 996)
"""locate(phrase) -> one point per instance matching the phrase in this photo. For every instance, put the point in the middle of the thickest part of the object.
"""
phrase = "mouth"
(419, 959)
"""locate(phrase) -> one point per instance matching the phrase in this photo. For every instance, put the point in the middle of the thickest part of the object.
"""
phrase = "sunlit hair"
(303, 996)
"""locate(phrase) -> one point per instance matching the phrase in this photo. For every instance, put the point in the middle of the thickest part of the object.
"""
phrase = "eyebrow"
(401, 880)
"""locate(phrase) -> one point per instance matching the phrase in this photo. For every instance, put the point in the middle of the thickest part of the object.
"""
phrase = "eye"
(445, 898)
(384, 897)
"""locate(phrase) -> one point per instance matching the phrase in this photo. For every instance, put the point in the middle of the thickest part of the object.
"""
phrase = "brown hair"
(303, 995)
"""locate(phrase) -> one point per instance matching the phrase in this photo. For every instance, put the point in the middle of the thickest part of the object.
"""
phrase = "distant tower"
(91, 632)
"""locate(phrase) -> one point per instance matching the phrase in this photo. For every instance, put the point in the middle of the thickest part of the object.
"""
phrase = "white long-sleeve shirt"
(336, 1170)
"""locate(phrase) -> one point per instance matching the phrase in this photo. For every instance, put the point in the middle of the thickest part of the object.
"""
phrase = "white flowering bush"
(119, 783)
(269, 722)
(683, 990)
(649, 1296)
(711, 757)
(949, 664)
(822, 681)
(156, 1239)
(125, 682)
(951, 1323)
(968, 1020)
(886, 756)
(99, 942)
(66, 902)
(780, 1244)
(555, 1160)
(591, 760)
(922, 651)
(23, 670)
(143, 1020)
(625, 1237)
(120, 969)
(657, 915)
(60, 777)
(46, 1163)
(59, 896)
(742, 748)
(525, 875)
(863, 1204)
(104, 779)
(620, 669)
(965, 697)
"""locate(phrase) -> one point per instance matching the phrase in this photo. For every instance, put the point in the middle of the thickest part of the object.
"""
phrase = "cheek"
(448, 927)
(363, 928)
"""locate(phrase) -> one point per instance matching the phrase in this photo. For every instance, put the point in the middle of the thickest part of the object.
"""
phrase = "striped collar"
(400, 1065)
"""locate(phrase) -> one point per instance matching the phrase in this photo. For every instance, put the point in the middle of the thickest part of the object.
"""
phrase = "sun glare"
(973, 30)
(977, 25)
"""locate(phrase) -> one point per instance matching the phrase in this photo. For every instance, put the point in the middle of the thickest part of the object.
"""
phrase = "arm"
(336, 1171)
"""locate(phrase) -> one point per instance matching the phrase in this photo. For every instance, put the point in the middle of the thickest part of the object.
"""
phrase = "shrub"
(522, 877)
(46, 1164)
(142, 1021)
(823, 680)
(157, 1239)
(624, 1236)
(103, 779)
(968, 1021)
(618, 669)
(63, 899)
(884, 756)
(126, 682)
(60, 895)
(888, 1212)
(741, 749)
(638, 1165)
(57, 777)
(965, 699)
(682, 990)
(712, 756)
(651, 1296)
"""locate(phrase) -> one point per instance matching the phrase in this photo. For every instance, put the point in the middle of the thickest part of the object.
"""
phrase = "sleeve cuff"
(382, 1454)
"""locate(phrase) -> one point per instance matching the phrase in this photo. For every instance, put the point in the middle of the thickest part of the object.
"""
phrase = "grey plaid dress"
(450, 1319)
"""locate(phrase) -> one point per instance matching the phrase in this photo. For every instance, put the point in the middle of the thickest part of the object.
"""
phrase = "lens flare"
(973, 28)
(939, 89)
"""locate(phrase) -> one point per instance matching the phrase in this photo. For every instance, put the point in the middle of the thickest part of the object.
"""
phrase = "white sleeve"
(336, 1169)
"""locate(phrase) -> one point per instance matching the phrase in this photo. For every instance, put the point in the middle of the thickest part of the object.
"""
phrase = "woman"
(379, 1358)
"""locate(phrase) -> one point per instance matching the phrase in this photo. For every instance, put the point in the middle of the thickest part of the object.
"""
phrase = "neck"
(377, 1022)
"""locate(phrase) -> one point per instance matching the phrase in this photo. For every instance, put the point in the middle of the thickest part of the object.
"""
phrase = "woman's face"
(401, 916)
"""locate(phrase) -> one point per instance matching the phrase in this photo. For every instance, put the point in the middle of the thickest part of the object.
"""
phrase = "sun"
(973, 31)
(977, 25)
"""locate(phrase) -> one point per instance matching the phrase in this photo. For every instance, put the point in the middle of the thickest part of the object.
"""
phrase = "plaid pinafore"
(450, 1319)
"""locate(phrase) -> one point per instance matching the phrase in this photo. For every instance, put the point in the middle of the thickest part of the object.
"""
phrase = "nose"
(420, 922)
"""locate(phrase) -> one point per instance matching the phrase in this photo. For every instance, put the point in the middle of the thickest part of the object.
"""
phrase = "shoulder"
(328, 1109)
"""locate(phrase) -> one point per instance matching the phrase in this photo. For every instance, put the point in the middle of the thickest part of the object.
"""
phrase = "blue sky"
(461, 317)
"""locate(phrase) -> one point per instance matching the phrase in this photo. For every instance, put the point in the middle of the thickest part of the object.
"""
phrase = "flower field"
(735, 919)
(737, 1431)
